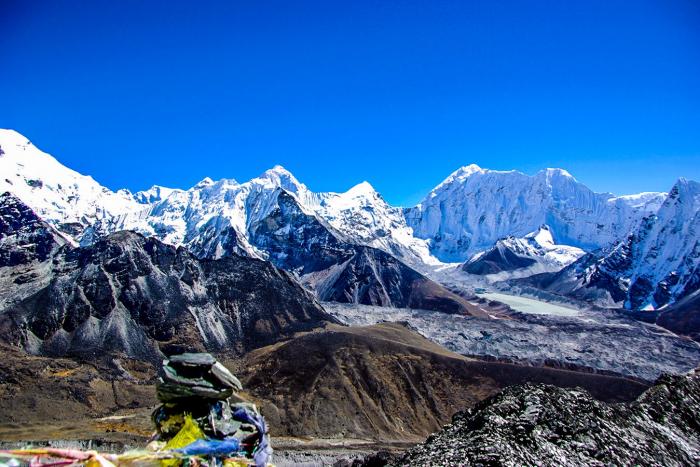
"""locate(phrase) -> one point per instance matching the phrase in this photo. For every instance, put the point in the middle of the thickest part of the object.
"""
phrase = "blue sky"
(396, 93)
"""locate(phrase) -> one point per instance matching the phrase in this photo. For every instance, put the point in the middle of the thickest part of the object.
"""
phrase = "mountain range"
(637, 251)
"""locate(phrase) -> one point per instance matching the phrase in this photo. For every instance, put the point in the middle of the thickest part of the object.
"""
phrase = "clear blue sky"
(396, 93)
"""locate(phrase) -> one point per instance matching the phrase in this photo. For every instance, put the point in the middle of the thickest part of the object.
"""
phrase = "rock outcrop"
(537, 424)
(534, 253)
(24, 238)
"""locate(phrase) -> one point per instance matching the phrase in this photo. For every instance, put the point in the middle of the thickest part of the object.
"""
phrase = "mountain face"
(473, 208)
(27, 245)
(24, 238)
(362, 215)
(214, 219)
(535, 253)
(337, 270)
(137, 296)
(683, 317)
(656, 265)
(545, 425)
(211, 218)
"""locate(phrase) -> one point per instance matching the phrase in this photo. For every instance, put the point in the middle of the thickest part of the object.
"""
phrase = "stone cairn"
(202, 414)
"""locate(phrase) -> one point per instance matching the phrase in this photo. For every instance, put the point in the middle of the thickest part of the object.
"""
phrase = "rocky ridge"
(537, 424)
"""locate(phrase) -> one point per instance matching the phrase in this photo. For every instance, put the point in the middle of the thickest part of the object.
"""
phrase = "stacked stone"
(197, 385)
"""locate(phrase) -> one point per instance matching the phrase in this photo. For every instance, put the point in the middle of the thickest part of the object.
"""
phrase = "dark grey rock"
(497, 259)
(24, 237)
(195, 375)
(201, 359)
(224, 377)
(545, 425)
(137, 296)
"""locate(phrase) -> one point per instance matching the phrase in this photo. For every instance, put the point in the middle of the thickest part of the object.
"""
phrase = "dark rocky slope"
(27, 245)
(138, 296)
(587, 281)
(24, 238)
(538, 424)
(339, 270)
(386, 382)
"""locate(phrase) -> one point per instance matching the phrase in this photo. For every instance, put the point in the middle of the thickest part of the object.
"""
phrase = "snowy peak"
(551, 173)
(154, 194)
(281, 177)
(458, 176)
(363, 189)
(686, 193)
(279, 172)
(513, 257)
(10, 138)
(466, 171)
(542, 236)
(205, 182)
(61, 196)
(363, 215)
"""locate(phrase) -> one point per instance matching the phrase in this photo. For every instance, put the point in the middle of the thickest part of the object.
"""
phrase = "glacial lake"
(529, 305)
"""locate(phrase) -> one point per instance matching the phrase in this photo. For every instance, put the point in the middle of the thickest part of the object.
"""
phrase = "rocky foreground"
(536, 424)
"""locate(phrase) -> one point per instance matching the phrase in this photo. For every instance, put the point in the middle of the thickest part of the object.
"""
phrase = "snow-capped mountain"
(212, 211)
(534, 253)
(59, 195)
(339, 270)
(475, 207)
(467, 213)
(655, 266)
(212, 218)
(665, 258)
(362, 214)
